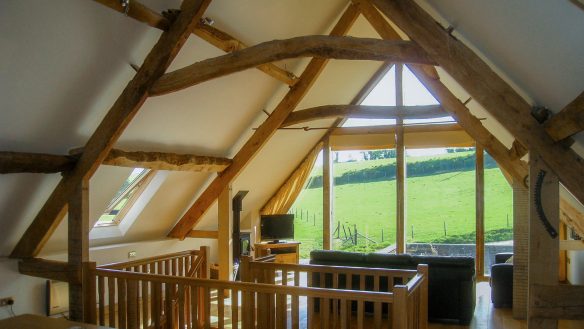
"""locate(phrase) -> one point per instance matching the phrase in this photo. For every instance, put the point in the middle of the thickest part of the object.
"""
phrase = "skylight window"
(125, 197)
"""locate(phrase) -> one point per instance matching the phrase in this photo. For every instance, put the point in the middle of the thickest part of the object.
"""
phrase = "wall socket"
(6, 301)
(132, 254)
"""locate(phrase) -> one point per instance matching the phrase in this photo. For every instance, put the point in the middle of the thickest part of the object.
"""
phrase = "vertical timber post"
(520, 248)
(327, 195)
(225, 233)
(400, 166)
(544, 249)
(480, 210)
(78, 250)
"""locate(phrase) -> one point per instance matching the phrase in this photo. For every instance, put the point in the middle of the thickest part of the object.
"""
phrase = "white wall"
(29, 292)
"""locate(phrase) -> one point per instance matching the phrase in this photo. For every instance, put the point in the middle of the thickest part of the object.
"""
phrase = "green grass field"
(435, 204)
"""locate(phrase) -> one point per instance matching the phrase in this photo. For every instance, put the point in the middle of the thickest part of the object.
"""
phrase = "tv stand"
(287, 252)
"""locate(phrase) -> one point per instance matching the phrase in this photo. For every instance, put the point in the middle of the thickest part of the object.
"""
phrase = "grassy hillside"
(435, 204)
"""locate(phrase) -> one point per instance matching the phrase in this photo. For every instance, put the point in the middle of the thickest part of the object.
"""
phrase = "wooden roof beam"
(208, 33)
(260, 137)
(487, 88)
(448, 100)
(568, 122)
(50, 269)
(364, 112)
(19, 162)
(111, 127)
(320, 46)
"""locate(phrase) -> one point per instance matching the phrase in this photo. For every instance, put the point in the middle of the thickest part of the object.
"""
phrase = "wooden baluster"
(344, 313)
(360, 305)
(101, 297)
(295, 303)
(156, 304)
(234, 308)
(132, 318)
(181, 267)
(325, 311)
(334, 301)
(168, 309)
(111, 300)
(207, 306)
(181, 306)
(281, 304)
(145, 298)
(221, 308)
(377, 305)
(194, 307)
(349, 285)
(122, 311)
(423, 311)
(263, 305)
(310, 303)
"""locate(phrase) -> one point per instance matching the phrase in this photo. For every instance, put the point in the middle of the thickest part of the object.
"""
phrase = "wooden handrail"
(149, 260)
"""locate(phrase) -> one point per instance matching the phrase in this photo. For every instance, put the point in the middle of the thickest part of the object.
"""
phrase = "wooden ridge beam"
(568, 122)
(320, 46)
(111, 127)
(166, 161)
(203, 234)
(448, 100)
(50, 269)
(261, 135)
(19, 162)
(561, 301)
(364, 112)
(208, 33)
(487, 88)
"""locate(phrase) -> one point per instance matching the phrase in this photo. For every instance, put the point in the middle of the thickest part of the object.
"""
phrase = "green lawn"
(434, 202)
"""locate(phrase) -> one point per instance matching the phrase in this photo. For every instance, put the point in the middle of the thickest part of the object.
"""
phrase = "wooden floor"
(488, 317)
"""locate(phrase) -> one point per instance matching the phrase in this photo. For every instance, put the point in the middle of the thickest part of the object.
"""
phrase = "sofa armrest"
(502, 284)
(502, 257)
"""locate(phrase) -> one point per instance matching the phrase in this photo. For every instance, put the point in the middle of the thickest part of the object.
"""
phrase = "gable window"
(125, 197)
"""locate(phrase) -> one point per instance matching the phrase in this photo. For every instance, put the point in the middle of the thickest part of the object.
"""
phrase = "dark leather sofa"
(451, 284)
(502, 281)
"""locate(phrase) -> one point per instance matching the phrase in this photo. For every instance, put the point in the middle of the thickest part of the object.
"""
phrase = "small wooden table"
(32, 321)
(287, 252)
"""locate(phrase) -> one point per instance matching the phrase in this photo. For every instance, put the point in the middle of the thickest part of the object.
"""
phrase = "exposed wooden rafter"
(18, 162)
(493, 93)
(329, 47)
(448, 100)
(111, 127)
(208, 33)
(568, 122)
(364, 112)
(261, 135)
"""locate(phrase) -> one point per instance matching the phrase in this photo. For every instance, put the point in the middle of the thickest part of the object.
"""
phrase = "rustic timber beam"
(493, 93)
(261, 135)
(111, 127)
(561, 301)
(203, 234)
(320, 46)
(430, 79)
(568, 122)
(364, 112)
(166, 161)
(517, 150)
(208, 33)
(18, 162)
(50, 269)
(572, 217)
(391, 129)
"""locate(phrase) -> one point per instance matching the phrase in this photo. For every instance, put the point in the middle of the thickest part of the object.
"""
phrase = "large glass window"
(498, 213)
(364, 200)
(440, 216)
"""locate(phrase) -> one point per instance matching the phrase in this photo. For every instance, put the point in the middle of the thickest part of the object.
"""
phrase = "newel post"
(423, 306)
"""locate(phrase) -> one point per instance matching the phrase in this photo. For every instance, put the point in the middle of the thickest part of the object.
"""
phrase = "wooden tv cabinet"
(285, 252)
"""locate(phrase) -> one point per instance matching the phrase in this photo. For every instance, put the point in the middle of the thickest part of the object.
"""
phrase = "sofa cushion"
(389, 261)
(339, 258)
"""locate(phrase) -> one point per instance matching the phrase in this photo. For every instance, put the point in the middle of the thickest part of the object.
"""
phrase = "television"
(277, 227)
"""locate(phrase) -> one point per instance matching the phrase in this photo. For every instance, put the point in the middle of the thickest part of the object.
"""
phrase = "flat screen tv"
(277, 227)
